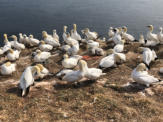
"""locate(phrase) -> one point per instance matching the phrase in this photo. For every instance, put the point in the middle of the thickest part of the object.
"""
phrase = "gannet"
(75, 34)
(16, 44)
(7, 68)
(13, 55)
(117, 37)
(21, 38)
(160, 36)
(63, 72)
(70, 62)
(96, 51)
(140, 75)
(110, 32)
(91, 43)
(148, 55)
(70, 40)
(119, 47)
(90, 35)
(33, 41)
(7, 45)
(43, 71)
(45, 47)
(50, 40)
(91, 73)
(55, 35)
(64, 35)
(74, 49)
(27, 78)
(126, 36)
(41, 56)
(141, 39)
(76, 75)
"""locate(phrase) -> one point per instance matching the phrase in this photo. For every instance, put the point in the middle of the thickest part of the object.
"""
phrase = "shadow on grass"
(73, 85)
(14, 90)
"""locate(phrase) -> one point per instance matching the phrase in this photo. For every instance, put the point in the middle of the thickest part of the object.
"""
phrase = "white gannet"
(141, 39)
(75, 34)
(119, 47)
(161, 70)
(151, 37)
(160, 35)
(140, 75)
(7, 45)
(76, 75)
(43, 71)
(50, 40)
(91, 43)
(41, 56)
(7, 68)
(63, 72)
(16, 44)
(27, 78)
(126, 36)
(21, 38)
(55, 35)
(74, 49)
(70, 62)
(148, 55)
(96, 51)
(117, 37)
(26, 40)
(91, 73)
(70, 40)
(90, 35)
(65, 48)
(64, 35)
(110, 32)
(45, 47)
(13, 55)
(33, 41)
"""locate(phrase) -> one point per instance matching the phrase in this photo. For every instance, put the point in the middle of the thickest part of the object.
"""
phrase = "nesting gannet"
(45, 47)
(65, 48)
(70, 40)
(21, 38)
(27, 78)
(13, 55)
(26, 40)
(74, 49)
(64, 35)
(140, 75)
(148, 55)
(160, 35)
(33, 41)
(16, 44)
(119, 47)
(7, 68)
(161, 70)
(91, 73)
(43, 71)
(91, 43)
(55, 35)
(117, 37)
(141, 39)
(151, 36)
(75, 34)
(90, 35)
(7, 45)
(126, 36)
(76, 75)
(96, 51)
(41, 56)
(50, 40)
(70, 62)
(111, 32)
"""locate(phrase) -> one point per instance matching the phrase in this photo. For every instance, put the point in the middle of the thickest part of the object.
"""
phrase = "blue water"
(34, 16)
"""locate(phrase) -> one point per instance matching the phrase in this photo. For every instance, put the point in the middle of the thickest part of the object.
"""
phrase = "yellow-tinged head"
(14, 37)
(44, 34)
(65, 29)
(40, 66)
(8, 64)
(36, 69)
(5, 37)
(30, 36)
(82, 65)
(124, 29)
(141, 67)
(11, 51)
(150, 27)
(120, 29)
(75, 27)
(86, 30)
(65, 56)
(42, 42)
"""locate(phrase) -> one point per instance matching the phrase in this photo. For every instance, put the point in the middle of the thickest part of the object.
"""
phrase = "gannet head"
(38, 51)
(110, 51)
(119, 29)
(86, 30)
(123, 41)
(42, 42)
(24, 35)
(5, 38)
(40, 66)
(64, 29)
(111, 28)
(124, 29)
(44, 34)
(20, 35)
(117, 58)
(36, 69)
(74, 25)
(141, 67)
(82, 65)
(8, 64)
(54, 31)
(11, 51)
(14, 37)
(140, 49)
(30, 36)
(150, 27)
(65, 56)
(116, 30)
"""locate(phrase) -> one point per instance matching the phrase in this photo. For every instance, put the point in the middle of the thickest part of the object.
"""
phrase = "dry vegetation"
(108, 99)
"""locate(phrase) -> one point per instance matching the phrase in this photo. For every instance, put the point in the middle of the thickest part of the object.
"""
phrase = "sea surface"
(34, 16)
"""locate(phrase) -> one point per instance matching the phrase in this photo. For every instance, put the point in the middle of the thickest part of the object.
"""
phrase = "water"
(34, 16)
